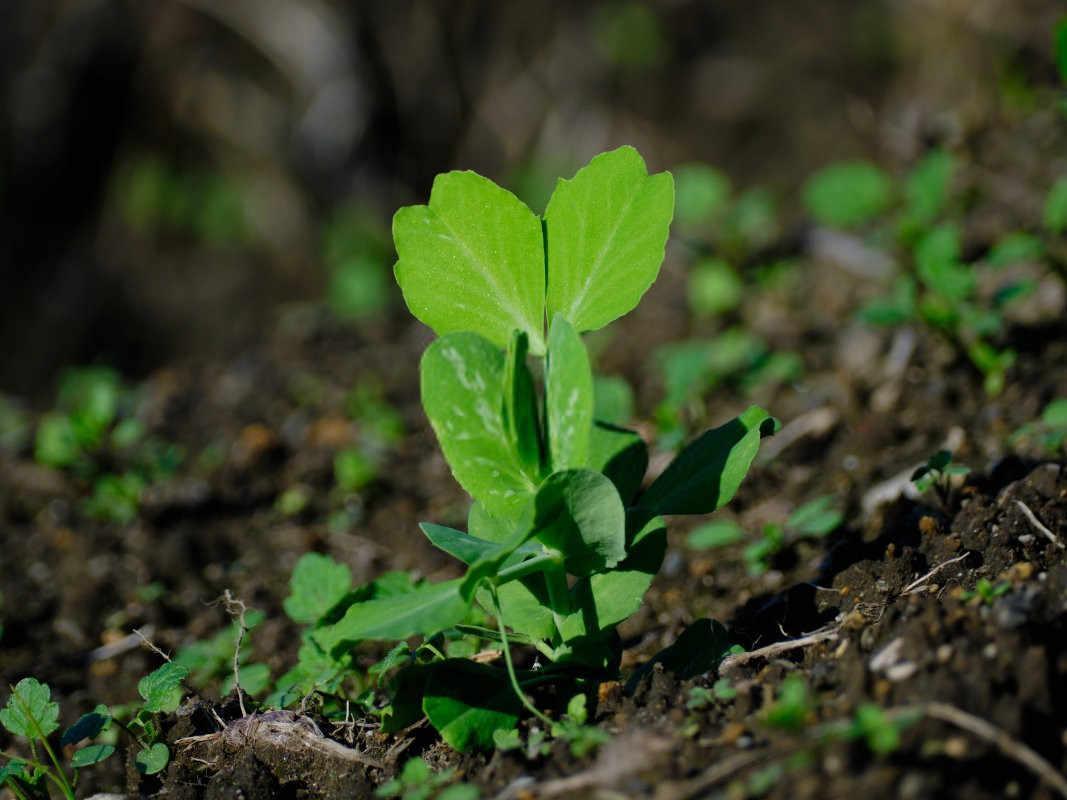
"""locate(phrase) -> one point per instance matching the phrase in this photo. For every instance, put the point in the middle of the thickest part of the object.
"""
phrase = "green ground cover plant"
(917, 222)
(92, 430)
(32, 715)
(562, 541)
(812, 520)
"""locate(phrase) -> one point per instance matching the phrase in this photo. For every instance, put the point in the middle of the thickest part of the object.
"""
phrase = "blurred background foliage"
(173, 171)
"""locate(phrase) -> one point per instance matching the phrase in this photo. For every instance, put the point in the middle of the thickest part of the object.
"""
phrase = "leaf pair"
(477, 259)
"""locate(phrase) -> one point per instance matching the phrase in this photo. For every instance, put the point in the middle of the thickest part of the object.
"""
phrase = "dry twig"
(1038, 525)
(731, 663)
(1012, 748)
(915, 584)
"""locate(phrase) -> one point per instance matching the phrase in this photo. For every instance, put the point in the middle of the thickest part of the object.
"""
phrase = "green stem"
(63, 783)
(511, 667)
(130, 733)
(15, 790)
(528, 567)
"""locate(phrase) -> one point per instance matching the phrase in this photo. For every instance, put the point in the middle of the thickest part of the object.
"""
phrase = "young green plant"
(562, 542)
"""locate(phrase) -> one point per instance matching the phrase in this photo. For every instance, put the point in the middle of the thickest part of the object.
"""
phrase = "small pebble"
(944, 654)
(902, 671)
(990, 651)
(956, 747)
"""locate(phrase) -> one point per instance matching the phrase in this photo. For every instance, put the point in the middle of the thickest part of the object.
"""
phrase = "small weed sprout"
(986, 592)
(939, 473)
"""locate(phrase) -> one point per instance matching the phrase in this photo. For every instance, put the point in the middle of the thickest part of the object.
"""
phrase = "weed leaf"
(162, 688)
(93, 754)
(152, 759)
(847, 194)
(318, 584)
(30, 711)
(87, 726)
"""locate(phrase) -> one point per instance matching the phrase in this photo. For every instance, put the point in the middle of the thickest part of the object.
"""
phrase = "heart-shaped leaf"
(152, 759)
(579, 513)
(462, 393)
(473, 260)
(709, 471)
(606, 230)
(568, 397)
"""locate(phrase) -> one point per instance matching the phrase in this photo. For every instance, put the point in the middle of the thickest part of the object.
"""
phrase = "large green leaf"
(606, 230)
(462, 393)
(580, 514)
(607, 598)
(568, 397)
(621, 454)
(520, 406)
(318, 583)
(428, 609)
(483, 525)
(458, 544)
(30, 711)
(466, 702)
(708, 472)
(473, 260)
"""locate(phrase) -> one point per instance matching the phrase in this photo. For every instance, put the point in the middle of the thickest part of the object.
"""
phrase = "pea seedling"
(561, 542)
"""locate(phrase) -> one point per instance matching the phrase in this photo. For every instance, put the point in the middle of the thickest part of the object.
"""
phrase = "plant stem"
(528, 567)
(511, 667)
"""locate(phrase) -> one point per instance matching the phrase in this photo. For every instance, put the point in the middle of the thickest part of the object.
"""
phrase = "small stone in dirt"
(944, 654)
(956, 747)
(902, 671)
(1014, 610)
(887, 656)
